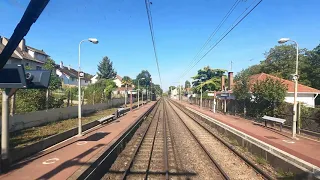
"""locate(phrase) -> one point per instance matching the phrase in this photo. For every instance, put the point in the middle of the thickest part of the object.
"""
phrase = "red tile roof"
(289, 84)
(119, 77)
(124, 88)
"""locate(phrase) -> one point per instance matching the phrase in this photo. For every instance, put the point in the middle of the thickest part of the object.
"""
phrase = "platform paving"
(64, 159)
(303, 148)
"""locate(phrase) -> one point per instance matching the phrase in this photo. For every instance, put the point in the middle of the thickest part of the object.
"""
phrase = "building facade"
(28, 56)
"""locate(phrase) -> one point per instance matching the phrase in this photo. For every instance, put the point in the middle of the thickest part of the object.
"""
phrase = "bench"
(273, 119)
(106, 119)
(122, 111)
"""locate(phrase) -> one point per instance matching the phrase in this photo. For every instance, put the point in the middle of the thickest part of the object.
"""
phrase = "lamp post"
(295, 79)
(138, 92)
(94, 41)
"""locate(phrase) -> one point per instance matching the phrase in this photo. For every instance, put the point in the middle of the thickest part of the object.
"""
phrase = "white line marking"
(288, 141)
(50, 161)
(81, 143)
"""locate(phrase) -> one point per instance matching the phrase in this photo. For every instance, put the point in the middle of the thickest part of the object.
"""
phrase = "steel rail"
(223, 173)
(233, 150)
(127, 171)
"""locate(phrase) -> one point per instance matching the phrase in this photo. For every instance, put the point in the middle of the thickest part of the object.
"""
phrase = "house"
(306, 95)
(69, 76)
(26, 55)
(174, 94)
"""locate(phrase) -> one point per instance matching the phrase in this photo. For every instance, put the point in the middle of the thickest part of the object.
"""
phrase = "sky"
(181, 27)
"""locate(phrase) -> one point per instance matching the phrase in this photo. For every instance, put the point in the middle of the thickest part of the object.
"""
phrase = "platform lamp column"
(139, 91)
(94, 41)
(295, 79)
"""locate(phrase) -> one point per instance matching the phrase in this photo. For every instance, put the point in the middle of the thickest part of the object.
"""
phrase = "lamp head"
(283, 40)
(93, 40)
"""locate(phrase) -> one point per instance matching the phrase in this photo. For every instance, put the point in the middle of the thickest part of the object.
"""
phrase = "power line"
(223, 36)
(152, 36)
(212, 34)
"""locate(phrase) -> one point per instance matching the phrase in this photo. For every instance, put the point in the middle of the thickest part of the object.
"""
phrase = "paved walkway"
(303, 148)
(63, 160)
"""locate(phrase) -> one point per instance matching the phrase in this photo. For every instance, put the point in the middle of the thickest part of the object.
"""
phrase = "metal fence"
(309, 117)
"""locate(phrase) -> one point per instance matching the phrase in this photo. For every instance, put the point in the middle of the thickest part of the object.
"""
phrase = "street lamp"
(139, 93)
(94, 41)
(200, 90)
(295, 79)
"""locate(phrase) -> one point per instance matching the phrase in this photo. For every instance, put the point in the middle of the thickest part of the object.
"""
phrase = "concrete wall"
(22, 121)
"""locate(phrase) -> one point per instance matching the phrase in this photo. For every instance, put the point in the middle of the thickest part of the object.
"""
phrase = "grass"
(285, 174)
(261, 160)
(25, 137)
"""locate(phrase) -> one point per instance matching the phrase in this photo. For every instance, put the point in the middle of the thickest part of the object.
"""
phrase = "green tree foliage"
(106, 70)
(99, 92)
(55, 81)
(172, 87)
(209, 78)
(157, 89)
(267, 95)
(110, 86)
(126, 81)
(143, 82)
(280, 61)
(187, 84)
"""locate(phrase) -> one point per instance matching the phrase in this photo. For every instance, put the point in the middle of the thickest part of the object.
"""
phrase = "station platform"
(303, 148)
(65, 159)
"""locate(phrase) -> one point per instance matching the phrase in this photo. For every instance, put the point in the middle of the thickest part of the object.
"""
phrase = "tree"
(126, 81)
(106, 70)
(143, 82)
(210, 79)
(267, 95)
(55, 81)
(187, 84)
(110, 86)
(241, 90)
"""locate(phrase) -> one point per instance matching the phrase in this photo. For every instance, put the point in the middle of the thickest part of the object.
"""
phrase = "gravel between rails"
(195, 163)
(120, 164)
(234, 166)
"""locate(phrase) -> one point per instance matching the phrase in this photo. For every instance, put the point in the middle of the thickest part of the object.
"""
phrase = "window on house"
(86, 81)
(72, 79)
(26, 64)
(38, 68)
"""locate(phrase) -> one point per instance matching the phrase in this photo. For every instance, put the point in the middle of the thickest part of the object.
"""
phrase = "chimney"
(61, 65)
(222, 83)
(230, 80)
(22, 44)
(69, 67)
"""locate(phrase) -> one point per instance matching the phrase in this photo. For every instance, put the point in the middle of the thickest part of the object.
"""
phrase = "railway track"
(151, 153)
(171, 144)
(230, 164)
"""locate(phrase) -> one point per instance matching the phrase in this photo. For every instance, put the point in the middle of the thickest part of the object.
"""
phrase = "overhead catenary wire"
(225, 34)
(147, 2)
(212, 34)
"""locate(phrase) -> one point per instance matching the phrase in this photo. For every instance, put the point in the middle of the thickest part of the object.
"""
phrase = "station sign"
(133, 92)
(81, 74)
(211, 93)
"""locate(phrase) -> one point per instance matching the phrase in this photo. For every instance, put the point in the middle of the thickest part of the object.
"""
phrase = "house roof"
(119, 77)
(14, 55)
(37, 50)
(24, 54)
(124, 88)
(290, 84)
(73, 73)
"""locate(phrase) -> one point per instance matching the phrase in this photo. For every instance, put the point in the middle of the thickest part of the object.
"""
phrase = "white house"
(69, 76)
(306, 95)
(26, 55)
(174, 94)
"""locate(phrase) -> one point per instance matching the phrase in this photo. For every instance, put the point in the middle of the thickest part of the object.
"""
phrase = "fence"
(309, 117)
(32, 119)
